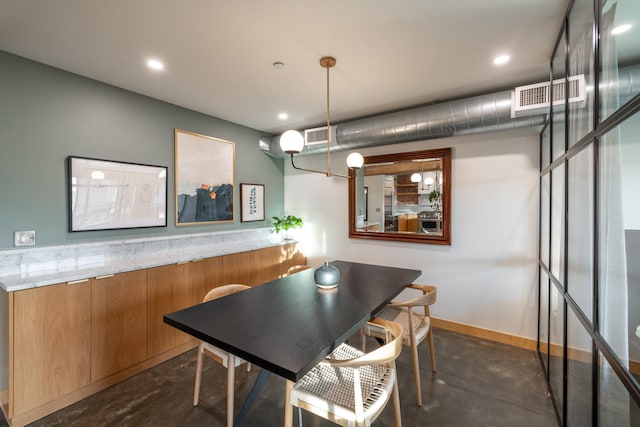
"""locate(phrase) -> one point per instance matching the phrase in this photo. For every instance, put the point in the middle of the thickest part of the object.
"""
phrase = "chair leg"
(414, 356)
(288, 408)
(396, 404)
(196, 387)
(416, 373)
(231, 381)
(432, 351)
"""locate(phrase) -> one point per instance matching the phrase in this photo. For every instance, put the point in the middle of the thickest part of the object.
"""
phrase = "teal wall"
(47, 114)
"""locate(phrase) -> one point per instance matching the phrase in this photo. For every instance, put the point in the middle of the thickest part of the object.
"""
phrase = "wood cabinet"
(174, 287)
(409, 223)
(68, 341)
(169, 290)
(262, 265)
(118, 322)
(51, 348)
(252, 267)
(204, 275)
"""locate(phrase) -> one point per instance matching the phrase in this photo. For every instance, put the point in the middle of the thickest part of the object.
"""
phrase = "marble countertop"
(366, 224)
(29, 268)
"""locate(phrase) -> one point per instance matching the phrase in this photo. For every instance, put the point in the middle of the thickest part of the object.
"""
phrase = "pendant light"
(292, 141)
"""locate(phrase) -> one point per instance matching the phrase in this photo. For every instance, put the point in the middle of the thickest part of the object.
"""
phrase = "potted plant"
(434, 199)
(285, 224)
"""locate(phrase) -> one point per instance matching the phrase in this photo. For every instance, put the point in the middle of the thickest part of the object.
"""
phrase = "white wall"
(630, 154)
(487, 277)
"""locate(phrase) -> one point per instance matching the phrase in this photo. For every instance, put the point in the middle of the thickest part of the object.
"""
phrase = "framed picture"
(107, 195)
(205, 170)
(251, 202)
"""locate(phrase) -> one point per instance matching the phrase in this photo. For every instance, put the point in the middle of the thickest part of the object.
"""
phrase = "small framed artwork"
(251, 202)
(205, 170)
(109, 195)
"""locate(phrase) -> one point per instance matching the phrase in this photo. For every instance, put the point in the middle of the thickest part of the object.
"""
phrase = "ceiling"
(218, 55)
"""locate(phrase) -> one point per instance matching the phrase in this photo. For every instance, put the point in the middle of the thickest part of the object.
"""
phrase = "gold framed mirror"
(403, 197)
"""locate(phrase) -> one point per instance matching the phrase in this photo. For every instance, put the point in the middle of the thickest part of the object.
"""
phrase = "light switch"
(24, 238)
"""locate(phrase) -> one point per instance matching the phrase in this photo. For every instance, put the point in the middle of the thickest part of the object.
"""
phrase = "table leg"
(288, 408)
(253, 393)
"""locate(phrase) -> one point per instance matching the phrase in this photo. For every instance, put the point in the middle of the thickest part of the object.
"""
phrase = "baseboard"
(517, 341)
(487, 334)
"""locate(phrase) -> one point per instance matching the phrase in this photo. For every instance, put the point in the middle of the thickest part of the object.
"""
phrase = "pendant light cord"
(328, 127)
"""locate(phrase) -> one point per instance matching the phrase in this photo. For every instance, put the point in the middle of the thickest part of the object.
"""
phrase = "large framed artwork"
(205, 170)
(251, 202)
(107, 195)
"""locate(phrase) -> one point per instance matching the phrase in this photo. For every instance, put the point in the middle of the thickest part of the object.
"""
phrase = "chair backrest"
(428, 297)
(224, 290)
(385, 354)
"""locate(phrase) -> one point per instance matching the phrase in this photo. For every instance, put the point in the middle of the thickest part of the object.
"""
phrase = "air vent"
(534, 99)
(318, 136)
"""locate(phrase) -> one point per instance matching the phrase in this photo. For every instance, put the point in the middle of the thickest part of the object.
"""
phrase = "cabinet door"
(118, 322)
(204, 275)
(51, 343)
(236, 268)
(168, 291)
(265, 265)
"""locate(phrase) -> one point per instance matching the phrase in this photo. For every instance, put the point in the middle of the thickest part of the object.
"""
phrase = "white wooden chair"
(416, 327)
(351, 388)
(227, 360)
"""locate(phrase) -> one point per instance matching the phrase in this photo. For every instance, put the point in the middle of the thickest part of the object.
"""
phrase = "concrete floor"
(478, 383)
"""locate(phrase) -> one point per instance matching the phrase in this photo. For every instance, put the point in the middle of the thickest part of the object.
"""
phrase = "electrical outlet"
(24, 238)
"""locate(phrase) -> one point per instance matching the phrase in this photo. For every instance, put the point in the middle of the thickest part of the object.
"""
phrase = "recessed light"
(155, 64)
(283, 116)
(621, 29)
(502, 59)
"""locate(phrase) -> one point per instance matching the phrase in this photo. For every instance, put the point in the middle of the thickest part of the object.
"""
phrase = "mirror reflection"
(402, 196)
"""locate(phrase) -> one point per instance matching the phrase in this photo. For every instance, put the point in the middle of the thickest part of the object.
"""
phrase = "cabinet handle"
(75, 282)
(106, 276)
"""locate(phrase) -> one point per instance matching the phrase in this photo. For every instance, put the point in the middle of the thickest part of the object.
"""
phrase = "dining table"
(288, 325)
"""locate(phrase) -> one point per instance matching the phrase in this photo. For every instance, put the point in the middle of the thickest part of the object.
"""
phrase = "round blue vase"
(327, 276)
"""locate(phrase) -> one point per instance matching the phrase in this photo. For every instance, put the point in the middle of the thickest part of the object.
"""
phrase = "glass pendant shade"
(355, 160)
(428, 181)
(416, 177)
(291, 141)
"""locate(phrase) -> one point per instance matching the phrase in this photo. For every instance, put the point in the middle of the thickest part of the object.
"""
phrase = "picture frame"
(204, 179)
(110, 195)
(251, 202)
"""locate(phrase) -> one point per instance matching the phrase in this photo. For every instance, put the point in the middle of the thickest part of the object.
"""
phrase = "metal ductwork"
(478, 114)
(483, 113)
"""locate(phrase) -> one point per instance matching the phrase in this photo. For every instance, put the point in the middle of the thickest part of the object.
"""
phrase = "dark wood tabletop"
(288, 325)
